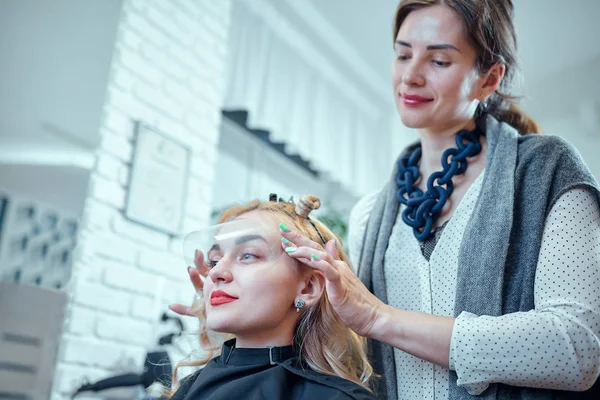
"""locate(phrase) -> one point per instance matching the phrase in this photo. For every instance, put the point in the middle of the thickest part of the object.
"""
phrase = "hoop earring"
(299, 304)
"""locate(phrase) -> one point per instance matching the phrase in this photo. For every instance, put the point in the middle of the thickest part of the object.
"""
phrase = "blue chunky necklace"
(424, 208)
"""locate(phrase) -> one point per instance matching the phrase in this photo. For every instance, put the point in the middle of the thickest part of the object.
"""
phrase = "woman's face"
(434, 76)
(251, 287)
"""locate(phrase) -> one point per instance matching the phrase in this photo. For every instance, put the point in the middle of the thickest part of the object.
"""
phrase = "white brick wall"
(167, 70)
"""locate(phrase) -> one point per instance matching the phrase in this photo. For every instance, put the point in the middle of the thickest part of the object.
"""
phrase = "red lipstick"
(412, 100)
(219, 297)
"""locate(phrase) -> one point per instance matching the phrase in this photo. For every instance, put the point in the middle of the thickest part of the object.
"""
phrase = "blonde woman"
(287, 340)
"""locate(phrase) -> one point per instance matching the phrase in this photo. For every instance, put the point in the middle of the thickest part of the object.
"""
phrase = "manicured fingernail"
(284, 227)
(285, 241)
(290, 249)
(189, 269)
(315, 257)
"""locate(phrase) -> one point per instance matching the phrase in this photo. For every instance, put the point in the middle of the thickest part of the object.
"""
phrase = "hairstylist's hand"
(356, 306)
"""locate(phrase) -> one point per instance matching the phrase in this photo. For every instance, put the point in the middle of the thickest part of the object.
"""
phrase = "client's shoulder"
(323, 386)
(185, 385)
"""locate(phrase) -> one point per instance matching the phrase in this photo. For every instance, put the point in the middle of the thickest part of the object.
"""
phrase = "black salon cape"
(249, 374)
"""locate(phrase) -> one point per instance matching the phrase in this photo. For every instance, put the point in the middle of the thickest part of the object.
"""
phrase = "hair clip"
(273, 197)
(303, 208)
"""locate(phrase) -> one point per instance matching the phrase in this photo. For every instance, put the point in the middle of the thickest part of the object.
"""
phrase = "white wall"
(55, 64)
(56, 56)
(568, 105)
(167, 70)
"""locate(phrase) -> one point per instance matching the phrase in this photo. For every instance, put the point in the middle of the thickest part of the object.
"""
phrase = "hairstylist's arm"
(422, 335)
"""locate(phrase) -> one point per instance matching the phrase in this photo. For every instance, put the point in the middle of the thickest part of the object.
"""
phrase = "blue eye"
(248, 256)
(245, 256)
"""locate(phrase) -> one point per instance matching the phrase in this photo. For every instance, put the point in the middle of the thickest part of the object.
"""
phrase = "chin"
(220, 323)
(410, 119)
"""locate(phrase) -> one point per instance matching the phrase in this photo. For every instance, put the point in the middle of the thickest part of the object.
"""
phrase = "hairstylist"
(480, 260)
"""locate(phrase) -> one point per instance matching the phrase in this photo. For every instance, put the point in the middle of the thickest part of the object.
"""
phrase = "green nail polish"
(284, 227)
(290, 250)
(315, 257)
(285, 241)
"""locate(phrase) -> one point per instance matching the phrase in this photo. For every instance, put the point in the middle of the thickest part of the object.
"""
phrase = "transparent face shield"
(243, 242)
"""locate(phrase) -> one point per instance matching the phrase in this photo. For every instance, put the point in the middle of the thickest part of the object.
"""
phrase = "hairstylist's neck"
(435, 141)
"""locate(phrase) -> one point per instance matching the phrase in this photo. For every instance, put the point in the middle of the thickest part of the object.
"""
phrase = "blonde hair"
(325, 343)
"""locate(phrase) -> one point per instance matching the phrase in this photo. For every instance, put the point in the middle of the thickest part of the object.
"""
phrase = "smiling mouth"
(414, 101)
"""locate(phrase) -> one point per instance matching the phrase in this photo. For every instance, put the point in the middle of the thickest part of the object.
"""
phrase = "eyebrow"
(238, 241)
(430, 47)
(247, 238)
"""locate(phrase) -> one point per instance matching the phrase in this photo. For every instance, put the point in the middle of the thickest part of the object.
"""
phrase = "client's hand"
(352, 301)
(208, 339)
(197, 309)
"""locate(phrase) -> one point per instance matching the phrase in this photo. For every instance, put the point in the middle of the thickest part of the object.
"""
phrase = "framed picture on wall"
(158, 180)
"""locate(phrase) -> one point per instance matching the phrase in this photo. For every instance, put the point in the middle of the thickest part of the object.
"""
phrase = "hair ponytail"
(505, 109)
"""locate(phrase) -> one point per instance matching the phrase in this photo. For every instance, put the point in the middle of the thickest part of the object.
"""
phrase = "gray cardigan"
(525, 175)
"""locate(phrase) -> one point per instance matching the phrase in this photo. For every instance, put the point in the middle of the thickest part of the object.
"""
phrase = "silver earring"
(299, 304)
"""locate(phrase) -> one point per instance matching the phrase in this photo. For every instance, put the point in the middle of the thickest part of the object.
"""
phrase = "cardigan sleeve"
(557, 344)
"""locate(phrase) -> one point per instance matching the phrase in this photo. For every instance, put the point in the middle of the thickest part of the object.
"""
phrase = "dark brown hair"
(490, 29)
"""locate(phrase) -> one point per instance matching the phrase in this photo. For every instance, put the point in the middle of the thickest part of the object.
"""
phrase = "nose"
(413, 75)
(221, 272)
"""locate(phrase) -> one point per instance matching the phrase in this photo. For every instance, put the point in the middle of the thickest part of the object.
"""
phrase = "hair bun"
(307, 204)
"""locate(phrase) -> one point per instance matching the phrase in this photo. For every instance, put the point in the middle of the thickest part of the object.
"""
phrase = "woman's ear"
(312, 288)
(491, 81)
